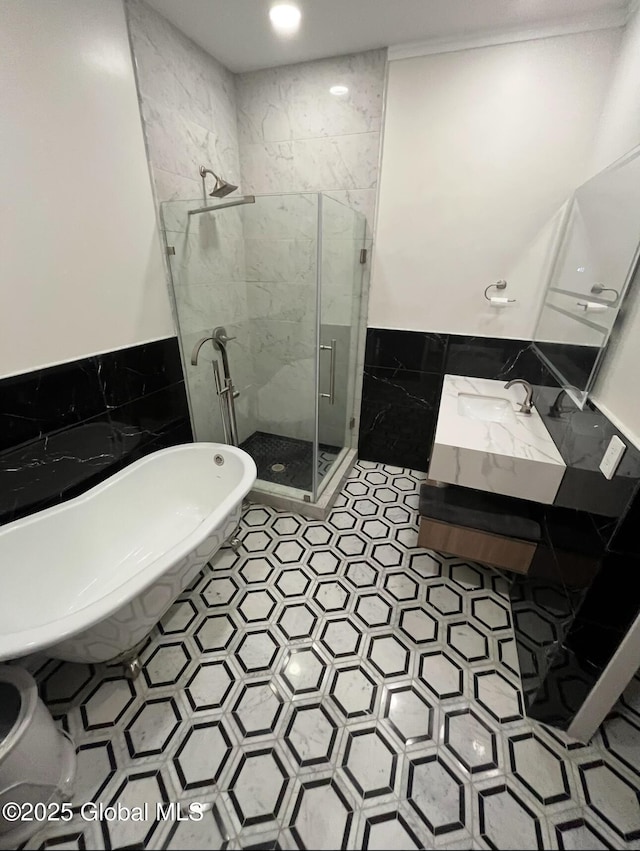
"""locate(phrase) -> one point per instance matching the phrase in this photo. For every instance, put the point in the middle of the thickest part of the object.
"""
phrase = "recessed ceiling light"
(340, 91)
(285, 18)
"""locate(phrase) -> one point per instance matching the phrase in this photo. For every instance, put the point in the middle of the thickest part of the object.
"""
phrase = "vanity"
(528, 494)
(494, 474)
(483, 440)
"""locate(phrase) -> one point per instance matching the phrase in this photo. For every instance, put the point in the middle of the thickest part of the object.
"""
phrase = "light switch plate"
(611, 458)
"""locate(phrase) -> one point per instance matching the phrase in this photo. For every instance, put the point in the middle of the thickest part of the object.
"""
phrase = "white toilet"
(37, 760)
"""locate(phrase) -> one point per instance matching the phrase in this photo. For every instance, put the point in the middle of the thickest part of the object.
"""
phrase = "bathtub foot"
(132, 668)
(235, 543)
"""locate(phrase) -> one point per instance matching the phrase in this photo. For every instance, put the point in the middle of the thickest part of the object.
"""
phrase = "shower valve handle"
(220, 335)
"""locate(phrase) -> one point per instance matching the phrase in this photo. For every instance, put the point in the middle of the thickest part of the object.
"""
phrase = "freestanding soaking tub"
(87, 580)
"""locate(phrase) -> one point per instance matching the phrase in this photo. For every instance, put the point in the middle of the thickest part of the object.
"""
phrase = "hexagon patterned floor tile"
(445, 811)
(258, 708)
(506, 821)
(332, 685)
(539, 768)
(322, 816)
(408, 713)
(152, 727)
(388, 830)
(353, 691)
(340, 637)
(202, 755)
(613, 797)
(370, 762)
(311, 735)
(258, 787)
(471, 740)
(210, 686)
(418, 625)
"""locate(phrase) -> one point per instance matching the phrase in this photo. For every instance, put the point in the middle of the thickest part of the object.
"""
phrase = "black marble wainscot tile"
(582, 437)
(497, 358)
(152, 415)
(398, 416)
(414, 350)
(44, 471)
(36, 403)
(129, 373)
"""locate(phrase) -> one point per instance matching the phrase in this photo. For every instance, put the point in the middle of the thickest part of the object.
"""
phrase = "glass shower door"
(280, 243)
(342, 238)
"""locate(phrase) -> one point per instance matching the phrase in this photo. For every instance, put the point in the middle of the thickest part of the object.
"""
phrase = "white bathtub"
(88, 579)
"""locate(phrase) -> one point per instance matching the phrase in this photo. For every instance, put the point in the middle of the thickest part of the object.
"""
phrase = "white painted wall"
(81, 260)
(481, 148)
(616, 386)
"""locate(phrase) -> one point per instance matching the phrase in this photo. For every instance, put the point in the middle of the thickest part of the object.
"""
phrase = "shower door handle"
(331, 395)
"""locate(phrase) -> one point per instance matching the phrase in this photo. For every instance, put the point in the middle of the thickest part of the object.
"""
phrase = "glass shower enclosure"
(281, 280)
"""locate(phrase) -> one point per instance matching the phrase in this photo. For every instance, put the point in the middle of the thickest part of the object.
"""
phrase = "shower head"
(221, 187)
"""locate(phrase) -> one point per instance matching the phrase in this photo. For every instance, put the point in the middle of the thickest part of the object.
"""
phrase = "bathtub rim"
(13, 645)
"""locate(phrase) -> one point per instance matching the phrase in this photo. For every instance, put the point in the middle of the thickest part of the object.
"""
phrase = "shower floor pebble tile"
(334, 686)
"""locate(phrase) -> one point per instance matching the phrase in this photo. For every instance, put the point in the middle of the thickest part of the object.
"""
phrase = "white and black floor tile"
(334, 686)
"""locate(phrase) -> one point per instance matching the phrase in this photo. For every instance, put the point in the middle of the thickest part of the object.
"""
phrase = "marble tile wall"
(273, 131)
(295, 136)
(188, 103)
(188, 107)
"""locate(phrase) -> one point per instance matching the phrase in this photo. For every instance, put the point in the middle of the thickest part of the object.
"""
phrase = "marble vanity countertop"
(526, 436)
(516, 457)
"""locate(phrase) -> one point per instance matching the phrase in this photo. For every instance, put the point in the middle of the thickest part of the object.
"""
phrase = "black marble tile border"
(65, 428)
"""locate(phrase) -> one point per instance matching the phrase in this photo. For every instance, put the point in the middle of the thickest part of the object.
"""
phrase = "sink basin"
(489, 409)
(482, 442)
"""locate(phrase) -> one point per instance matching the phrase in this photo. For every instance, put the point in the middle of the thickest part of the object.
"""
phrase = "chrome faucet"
(227, 394)
(527, 405)
(196, 349)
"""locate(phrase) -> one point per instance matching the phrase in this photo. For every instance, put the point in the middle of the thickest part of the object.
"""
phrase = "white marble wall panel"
(282, 217)
(297, 137)
(292, 260)
(188, 101)
(198, 263)
(274, 409)
(326, 163)
(281, 300)
(171, 187)
(188, 105)
(209, 305)
(361, 200)
(294, 102)
(284, 358)
(341, 277)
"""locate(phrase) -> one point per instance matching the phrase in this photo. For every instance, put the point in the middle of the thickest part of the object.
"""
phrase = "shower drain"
(277, 468)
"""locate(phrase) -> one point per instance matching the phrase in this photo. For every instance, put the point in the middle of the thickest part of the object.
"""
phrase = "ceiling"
(238, 32)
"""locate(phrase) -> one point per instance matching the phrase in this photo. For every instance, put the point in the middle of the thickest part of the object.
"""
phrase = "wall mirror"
(595, 260)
